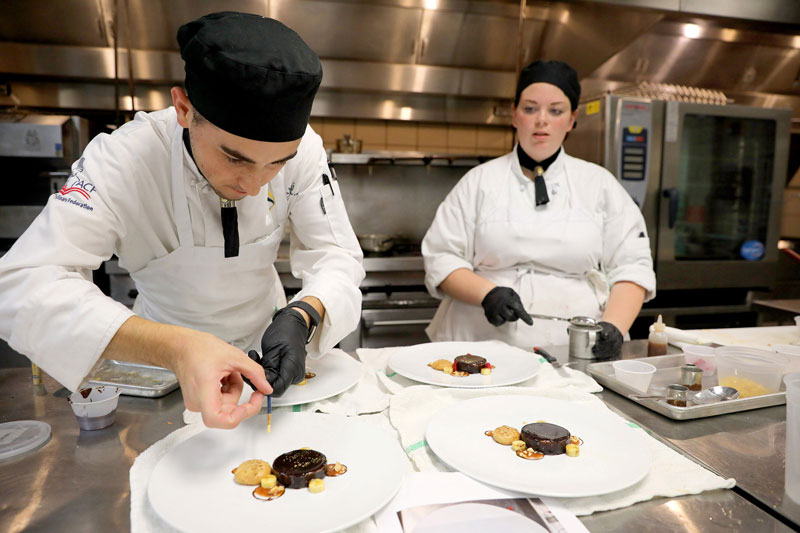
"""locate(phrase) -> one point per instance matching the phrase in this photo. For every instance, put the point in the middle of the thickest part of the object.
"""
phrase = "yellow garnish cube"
(573, 450)
(269, 482)
(302, 383)
(316, 485)
(486, 371)
(448, 370)
(518, 445)
(541, 421)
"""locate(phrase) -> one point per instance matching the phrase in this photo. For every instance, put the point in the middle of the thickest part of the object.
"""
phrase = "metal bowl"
(376, 242)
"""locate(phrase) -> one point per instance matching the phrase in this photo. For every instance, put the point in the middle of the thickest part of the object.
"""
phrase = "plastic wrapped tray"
(134, 379)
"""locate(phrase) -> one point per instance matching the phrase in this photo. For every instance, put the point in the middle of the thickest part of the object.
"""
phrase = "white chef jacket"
(119, 200)
(561, 257)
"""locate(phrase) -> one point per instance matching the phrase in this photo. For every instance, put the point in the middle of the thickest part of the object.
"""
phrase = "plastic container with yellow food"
(751, 371)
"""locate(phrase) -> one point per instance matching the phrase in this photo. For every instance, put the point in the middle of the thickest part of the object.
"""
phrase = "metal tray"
(134, 379)
(668, 372)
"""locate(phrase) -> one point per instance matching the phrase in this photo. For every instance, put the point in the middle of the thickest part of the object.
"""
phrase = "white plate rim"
(349, 362)
(440, 449)
(460, 347)
(389, 446)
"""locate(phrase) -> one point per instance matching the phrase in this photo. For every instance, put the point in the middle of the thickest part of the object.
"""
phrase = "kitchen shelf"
(388, 157)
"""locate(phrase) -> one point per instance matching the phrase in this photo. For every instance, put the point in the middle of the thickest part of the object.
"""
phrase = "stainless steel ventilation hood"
(428, 60)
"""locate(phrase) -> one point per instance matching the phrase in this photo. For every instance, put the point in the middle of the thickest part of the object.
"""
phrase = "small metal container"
(582, 336)
(692, 377)
(677, 395)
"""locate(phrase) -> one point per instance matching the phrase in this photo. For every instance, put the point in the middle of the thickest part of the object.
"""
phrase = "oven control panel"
(634, 123)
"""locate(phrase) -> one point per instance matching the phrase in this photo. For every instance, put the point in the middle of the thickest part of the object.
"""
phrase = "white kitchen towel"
(671, 473)
(368, 396)
(144, 518)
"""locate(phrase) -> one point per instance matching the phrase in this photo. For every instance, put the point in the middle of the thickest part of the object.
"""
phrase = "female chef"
(194, 200)
(538, 231)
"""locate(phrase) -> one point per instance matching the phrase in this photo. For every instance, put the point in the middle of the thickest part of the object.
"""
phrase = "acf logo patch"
(77, 183)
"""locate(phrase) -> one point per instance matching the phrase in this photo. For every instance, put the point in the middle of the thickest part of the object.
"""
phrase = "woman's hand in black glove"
(283, 349)
(609, 342)
(502, 304)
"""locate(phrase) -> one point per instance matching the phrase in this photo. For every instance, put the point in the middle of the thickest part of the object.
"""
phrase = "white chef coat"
(121, 199)
(561, 257)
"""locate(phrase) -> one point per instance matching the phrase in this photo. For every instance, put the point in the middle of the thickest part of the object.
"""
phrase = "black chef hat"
(555, 73)
(250, 75)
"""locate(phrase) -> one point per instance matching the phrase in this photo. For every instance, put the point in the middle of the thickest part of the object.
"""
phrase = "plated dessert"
(296, 469)
(537, 440)
(463, 365)
(309, 375)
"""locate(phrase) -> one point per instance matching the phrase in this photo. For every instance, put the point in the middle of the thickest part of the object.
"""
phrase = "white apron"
(547, 291)
(197, 287)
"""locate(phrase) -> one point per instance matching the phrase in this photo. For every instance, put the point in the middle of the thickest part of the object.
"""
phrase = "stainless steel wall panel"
(532, 35)
(487, 42)
(153, 66)
(667, 5)
(703, 63)
(76, 96)
(88, 63)
(154, 23)
(489, 84)
(416, 107)
(582, 37)
(394, 192)
(66, 22)
(462, 49)
(389, 77)
(56, 61)
(439, 37)
(781, 11)
(167, 67)
(353, 31)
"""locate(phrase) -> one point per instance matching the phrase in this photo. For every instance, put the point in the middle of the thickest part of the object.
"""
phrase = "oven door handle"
(672, 194)
(412, 322)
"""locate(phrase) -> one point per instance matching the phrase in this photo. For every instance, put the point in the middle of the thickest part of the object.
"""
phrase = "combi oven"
(708, 179)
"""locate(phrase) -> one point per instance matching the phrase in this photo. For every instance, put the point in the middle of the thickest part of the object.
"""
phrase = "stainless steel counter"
(78, 481)
(748, 446)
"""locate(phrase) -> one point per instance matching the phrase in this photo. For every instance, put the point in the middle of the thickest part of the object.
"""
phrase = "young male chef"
(194, 200)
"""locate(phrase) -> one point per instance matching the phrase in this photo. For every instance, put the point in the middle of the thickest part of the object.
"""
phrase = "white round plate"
(336, 372)
(512, 365)
(613, 456)
(476, 518)
(192, 487)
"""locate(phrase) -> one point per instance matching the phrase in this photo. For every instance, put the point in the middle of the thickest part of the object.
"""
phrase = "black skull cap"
(249, 75)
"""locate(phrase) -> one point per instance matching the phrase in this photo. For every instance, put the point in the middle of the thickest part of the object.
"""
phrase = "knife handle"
(543, 353)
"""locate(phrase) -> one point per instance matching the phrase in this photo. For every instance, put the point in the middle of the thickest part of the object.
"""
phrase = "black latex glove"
(503, 305)
(609, 341)
(283, 349)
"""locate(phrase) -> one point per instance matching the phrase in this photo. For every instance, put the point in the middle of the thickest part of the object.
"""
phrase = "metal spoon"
(716, 394)
(548, 317)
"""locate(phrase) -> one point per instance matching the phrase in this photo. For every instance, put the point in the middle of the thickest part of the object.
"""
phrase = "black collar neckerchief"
(538, 168)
